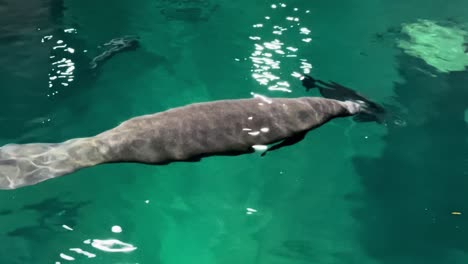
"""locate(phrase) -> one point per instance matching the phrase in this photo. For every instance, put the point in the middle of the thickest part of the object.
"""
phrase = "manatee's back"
(217, 127)
(184, 133)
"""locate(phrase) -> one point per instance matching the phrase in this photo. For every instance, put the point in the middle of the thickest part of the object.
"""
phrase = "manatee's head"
(366, 111)
(353, 107)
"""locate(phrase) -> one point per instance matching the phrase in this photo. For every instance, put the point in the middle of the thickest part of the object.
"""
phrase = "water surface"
(348, 193)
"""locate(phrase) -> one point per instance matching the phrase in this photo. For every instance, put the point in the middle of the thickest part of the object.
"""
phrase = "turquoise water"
(348, 193)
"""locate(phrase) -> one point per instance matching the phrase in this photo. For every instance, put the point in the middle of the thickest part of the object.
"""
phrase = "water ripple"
(277, 40)
(63, 67)
(111, 245)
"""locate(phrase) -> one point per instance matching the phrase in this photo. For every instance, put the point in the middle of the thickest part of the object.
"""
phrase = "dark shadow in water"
(34, 47)
(189, 11)
(411, 190)
(299, 250)
(54, 208)
(25, 62)
(6, 212)
(33, 241)
(52, 214)
(57, 10)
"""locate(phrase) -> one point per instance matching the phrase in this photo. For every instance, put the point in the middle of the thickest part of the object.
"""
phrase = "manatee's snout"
(352, 107)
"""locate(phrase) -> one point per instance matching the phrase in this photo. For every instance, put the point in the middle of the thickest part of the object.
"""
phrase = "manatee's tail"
(369, 110)
(28, 164)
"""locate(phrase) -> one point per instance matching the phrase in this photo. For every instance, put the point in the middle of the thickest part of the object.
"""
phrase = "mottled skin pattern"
(180, 134)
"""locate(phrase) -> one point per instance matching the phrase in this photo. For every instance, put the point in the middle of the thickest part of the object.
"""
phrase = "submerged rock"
(115, 46)
(443, 47)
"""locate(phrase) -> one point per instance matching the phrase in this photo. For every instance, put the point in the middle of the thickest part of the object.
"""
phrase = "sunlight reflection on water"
(111, 245)
(272, 38)
(63, 67)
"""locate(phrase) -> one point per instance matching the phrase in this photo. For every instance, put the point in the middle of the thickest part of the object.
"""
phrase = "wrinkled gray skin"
(180, 134)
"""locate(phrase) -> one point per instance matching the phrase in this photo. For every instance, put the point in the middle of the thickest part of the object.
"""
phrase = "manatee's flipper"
(228, 153)
(287, 142)
(309, 82)
(370, 111)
